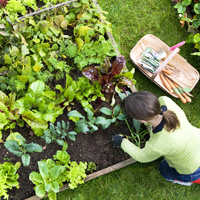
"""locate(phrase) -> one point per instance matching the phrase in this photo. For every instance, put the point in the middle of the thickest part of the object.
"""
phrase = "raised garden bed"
(93, 147)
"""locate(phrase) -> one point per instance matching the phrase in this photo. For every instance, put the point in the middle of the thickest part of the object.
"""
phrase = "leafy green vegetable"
(20, 148)
(9, 115)
(58, 133)
(8, 177)
(38, 107)
(76, 174)
(80, 90)
(81, 123)
(50, 178)
(110, 76)
(114, 114)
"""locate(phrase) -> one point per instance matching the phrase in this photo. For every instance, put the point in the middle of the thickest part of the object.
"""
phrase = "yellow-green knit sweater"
(180, 148)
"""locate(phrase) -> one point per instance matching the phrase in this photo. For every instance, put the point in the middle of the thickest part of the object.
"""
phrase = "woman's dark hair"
(144, 105)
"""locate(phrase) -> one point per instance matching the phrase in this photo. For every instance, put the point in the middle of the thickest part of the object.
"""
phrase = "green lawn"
(131, 20)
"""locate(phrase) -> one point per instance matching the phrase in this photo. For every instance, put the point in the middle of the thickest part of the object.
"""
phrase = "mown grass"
(131, 20)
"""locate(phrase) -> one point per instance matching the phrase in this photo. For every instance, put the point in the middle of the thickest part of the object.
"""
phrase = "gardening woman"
(171, 137)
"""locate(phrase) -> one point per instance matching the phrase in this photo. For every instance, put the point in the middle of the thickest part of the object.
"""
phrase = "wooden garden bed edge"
(95, 174)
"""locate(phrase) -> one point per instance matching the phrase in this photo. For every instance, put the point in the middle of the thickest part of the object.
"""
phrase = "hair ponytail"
(144, 105)
(171, 120)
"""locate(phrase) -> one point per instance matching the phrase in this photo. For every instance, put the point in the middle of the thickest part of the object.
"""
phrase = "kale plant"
(58, 133)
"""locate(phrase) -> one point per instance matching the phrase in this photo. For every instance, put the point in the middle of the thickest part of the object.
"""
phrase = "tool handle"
(166, 84)
(176, 45)
(183, 93)
(167, 71)
(176, 90)
(187, 98)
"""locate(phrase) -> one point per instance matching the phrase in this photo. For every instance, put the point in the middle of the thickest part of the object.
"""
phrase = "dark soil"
(96, 147)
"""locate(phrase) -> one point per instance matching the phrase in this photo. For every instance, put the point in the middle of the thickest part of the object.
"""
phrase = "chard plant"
(83, 124)
(37, 107)
(80, 90)
(20, 148)
(8, 177)
(112, 114)
(58, 133)
(9, 116)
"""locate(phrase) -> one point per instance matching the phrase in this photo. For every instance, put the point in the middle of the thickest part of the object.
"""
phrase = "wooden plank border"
(113, 167)
(96, 174)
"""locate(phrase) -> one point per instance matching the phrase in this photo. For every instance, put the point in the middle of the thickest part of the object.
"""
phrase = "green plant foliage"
(137, 133)
(20, 148)
(193, 22)
(91, 167)
(38, 107)
(181, 6)
(113, 114)
(109, 76)
(80, 90)
(76, 172)
(8, 177)
(90, 53)
(82, 124)
(58, 133)
(52, 174)
(49, 179)
(9, 115)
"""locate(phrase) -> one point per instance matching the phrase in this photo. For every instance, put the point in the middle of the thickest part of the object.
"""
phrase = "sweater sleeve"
(147, 154)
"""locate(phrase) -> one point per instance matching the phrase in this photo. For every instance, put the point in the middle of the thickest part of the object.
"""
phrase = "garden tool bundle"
(150, 62)
(175, 75)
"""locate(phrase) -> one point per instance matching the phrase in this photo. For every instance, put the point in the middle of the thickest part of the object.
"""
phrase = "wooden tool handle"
(167, 71)
(176, 90)
(183, 93)
(166, 84)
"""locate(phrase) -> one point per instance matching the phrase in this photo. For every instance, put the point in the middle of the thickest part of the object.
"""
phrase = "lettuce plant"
(8, 178)
(49, 179)
(20, 148)
(76, 172)
(52, 174)
(110, 75)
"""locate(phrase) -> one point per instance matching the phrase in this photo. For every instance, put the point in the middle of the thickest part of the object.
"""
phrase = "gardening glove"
(117, 140)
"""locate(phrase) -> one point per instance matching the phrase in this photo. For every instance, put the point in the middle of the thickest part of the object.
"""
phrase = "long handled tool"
(163, 53)
(176, 90)
(182, 92)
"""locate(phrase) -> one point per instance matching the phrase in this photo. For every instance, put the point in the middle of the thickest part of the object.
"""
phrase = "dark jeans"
(170, 173)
